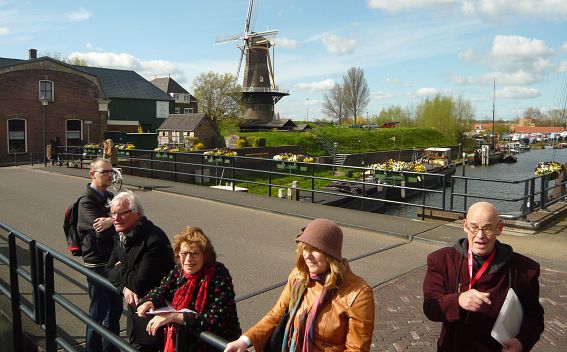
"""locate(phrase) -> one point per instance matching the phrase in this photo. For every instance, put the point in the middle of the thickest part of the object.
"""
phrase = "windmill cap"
(325, 235)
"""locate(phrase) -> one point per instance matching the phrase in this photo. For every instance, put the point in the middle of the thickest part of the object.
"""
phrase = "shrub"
(199, 146)
(260, 142)
(242, 143)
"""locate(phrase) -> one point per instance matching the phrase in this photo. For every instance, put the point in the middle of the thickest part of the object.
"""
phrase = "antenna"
(493, 108)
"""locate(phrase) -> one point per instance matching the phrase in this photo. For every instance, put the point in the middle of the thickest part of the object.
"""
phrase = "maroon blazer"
(447, 276)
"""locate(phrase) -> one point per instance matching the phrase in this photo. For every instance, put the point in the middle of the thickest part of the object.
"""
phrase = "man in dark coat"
(97, 240)
(140, 259)
(466, 285)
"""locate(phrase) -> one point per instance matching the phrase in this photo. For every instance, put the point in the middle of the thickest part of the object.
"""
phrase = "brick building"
(79, 101)
(185, 103)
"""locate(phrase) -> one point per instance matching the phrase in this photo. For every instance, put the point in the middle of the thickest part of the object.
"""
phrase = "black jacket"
(145, 259)
(96, 246)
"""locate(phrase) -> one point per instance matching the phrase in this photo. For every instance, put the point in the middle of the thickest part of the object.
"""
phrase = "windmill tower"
(259, 89)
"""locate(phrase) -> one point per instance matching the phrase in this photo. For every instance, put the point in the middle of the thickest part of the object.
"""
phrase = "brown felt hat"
(324, 235)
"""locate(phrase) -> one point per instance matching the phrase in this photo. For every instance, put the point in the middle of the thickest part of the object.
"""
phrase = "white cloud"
(426, 92)
(467, 55)
(546, 9)
(511, 52)
(286, 43)
(397, 82)
(317, 86)
(402, 5)
(380, 95)
(4, 30)
(79, 15)
(146, 68)
(564, 46)
(517, 92)
(338, 45)
(562, 66)
(90, 46)
(519, 77)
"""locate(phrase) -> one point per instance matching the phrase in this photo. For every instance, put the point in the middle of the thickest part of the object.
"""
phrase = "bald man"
(466, 285)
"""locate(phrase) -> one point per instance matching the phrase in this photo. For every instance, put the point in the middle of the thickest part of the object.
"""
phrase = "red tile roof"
(526, 129)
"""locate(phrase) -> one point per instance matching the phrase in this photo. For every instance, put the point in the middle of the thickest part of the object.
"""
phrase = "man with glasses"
(466, 285)
(97, 240)
(140, 259)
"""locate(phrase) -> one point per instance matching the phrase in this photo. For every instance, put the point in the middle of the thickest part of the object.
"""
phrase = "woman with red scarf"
(198, 283)
(328, 308)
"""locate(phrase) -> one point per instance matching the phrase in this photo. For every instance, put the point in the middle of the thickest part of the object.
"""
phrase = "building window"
(187, 111)
(261, 79)
(74, 132)
(177, 110)
(16, 136)
(46, 90)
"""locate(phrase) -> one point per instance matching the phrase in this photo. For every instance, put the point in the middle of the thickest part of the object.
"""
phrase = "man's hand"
(130, 297)
(512, 345)
(472, 300)
(145, 307)
(101, 224)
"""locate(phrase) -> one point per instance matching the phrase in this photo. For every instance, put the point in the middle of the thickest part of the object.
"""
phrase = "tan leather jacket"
(344, 324)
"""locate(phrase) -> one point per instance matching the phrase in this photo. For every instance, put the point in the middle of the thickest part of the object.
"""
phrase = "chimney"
(33, 54)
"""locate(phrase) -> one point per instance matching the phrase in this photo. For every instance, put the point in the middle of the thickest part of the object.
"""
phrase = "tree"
(395, 114)
(356, 92)
(75, 60)
(219, 95)
(445, 114)
(334, 103)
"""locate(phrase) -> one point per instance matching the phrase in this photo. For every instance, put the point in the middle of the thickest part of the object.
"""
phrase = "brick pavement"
(401, 325)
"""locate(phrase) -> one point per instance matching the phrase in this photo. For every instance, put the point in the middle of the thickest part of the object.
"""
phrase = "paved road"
(254, 236)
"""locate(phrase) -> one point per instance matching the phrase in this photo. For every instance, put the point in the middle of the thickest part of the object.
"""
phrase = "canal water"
(522, 170)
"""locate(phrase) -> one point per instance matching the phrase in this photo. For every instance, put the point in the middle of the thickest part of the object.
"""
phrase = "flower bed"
(398, 166)
(219, 155)
(548, 167)
(294, 158)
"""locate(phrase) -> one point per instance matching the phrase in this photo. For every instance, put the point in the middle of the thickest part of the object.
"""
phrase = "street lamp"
(44, 103)
(307, 104)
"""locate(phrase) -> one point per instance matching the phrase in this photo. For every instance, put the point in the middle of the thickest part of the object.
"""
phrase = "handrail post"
(312, 183)
(269, 177)
(451, 196)
(232, 174)
(17, 333)
(532, 195)
(525, 201)
(543, 194)
(50, 322)
(174, 167)
(36, 266)
(465, 198)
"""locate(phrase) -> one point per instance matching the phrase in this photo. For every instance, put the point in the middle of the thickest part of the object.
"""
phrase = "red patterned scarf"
(183, 296)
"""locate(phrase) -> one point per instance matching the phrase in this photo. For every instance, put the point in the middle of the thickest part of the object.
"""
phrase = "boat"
(509, 158)
(344, 194)
(438, 161)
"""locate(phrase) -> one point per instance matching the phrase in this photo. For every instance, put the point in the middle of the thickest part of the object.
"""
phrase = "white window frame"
(52, 97)
(67, 131)
(25, 135)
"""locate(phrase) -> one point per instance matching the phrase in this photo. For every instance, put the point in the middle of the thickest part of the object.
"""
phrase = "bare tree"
(334, 103)
(219, 96)
(356, 92)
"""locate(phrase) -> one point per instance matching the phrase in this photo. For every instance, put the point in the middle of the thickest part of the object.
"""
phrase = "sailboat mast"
(493, 108)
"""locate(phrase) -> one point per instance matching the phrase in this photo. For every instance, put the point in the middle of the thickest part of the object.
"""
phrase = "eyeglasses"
(487, 230)
(194, 255)
(105, 172)
(123, 213)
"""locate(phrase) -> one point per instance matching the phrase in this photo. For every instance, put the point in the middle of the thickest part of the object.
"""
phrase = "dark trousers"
(105, 308)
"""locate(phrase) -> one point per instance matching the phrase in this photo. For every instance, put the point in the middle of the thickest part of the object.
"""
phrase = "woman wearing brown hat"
(329, 307)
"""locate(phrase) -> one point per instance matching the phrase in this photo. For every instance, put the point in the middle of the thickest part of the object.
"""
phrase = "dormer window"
(261, 79)
(46, 90)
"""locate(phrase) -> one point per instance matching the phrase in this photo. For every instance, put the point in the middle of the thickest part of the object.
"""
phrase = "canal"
(522, 170)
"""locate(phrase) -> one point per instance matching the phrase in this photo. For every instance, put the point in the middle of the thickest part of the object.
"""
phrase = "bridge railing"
(263, 175)
(40, 274)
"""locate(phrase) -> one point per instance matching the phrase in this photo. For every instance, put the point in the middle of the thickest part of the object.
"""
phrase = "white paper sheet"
(169, 309)
(509, 319)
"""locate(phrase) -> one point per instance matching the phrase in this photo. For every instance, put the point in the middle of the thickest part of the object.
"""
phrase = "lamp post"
(44, 103)
(307, 105)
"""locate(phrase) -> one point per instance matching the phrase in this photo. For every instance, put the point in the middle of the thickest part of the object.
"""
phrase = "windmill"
(260, 92)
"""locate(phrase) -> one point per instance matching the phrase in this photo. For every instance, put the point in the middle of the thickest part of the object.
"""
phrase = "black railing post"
(17, 333)
(174, 167)
(203, 169)
(465, 197)
(543, 194)
(525, 201)
(532, 195)
(312, 183)
(269, 177)
(232, 174)
(50, 321)
(36, 267)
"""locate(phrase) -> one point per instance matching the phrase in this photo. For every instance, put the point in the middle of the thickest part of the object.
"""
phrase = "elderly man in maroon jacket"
(466, 285)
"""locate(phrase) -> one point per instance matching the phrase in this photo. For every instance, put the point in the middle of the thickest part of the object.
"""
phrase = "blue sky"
(409, 49)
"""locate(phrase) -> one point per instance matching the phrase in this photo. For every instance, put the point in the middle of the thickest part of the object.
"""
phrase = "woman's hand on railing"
(239, 345)
(145, 307)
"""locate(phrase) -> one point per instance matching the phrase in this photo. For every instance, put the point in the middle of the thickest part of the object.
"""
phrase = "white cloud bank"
(404, 5)
(286, 43)
(426, 92)
(4, 31)
(546, 9)
(517, 92)
(79, 15)
(320, 86)
(339, 45)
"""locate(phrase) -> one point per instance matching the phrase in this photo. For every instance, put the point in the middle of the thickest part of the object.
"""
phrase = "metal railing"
(314, 179)
(45, 298)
